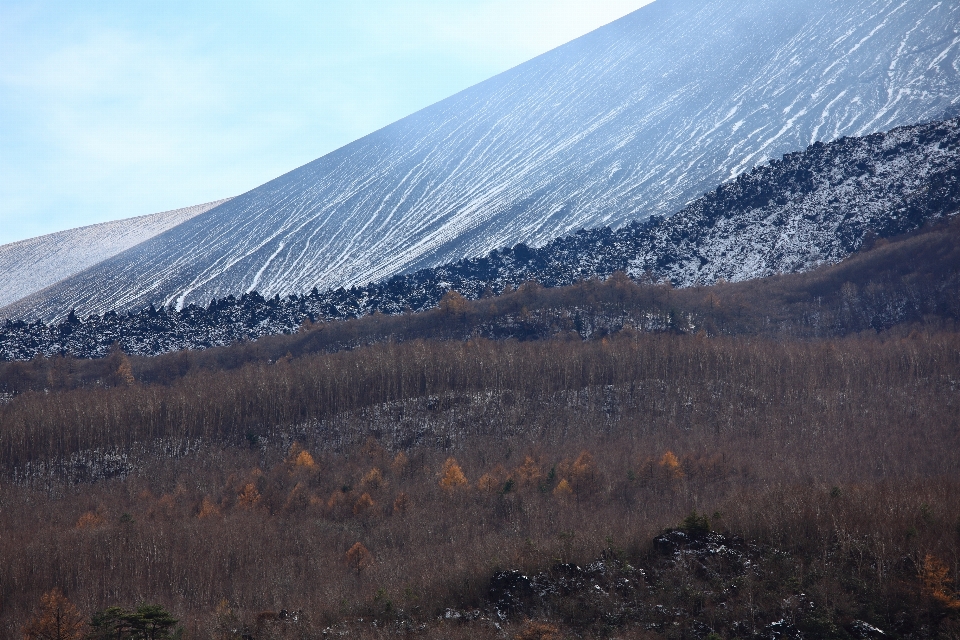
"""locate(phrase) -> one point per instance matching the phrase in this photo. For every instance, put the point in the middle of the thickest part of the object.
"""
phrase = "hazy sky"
(115, 109)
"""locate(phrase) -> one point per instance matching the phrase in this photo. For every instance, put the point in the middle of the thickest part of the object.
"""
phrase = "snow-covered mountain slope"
(791, 215)
(636, 118)
(36, 263)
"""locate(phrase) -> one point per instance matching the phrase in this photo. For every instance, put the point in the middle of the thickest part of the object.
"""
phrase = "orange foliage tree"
(300, 458)
(451, 475)
(671, 465)
(58, 619)
(529, 472)
(563, 489)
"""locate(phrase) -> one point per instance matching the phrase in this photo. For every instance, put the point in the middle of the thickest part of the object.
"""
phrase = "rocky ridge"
(791, 215)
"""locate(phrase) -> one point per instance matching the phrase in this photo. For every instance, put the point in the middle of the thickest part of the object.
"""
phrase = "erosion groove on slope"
(810, 208)
(632, 120)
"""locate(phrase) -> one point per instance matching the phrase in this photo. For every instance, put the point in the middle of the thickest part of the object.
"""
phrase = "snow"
(877, 182)
(680, 95)
(788, 216)
(31, 265)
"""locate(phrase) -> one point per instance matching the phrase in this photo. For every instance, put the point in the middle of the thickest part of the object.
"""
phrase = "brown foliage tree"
(492, 480)
(363, 504)
(937, 583)
(488, 483)
(298, 499)
(89, 520)
(400, 463)
(358, 557)
(401, 504)
(454, 304)
(582, 472)
(208, 509)
(538, 631)
(372, 479)
(228, 624)
(125, 372)
(249, 497)
(58, 619)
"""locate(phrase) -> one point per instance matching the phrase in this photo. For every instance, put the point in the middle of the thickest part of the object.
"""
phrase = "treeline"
(304, 392)
(890, 287)
(389, 474)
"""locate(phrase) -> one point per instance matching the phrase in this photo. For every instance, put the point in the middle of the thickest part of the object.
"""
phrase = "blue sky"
(115, 109)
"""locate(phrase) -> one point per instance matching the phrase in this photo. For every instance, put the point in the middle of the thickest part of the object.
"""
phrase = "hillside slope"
(36, 263)
(789, 216)
(634, 119)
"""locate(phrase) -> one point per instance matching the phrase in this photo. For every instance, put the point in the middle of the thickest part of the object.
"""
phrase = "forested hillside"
(424, 402)
(772, 458)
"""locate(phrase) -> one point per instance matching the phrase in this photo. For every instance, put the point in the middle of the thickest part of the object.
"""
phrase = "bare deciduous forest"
(798, 438)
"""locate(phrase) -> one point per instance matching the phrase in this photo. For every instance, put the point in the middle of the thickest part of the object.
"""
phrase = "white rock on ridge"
(33, 264)
(636, 118)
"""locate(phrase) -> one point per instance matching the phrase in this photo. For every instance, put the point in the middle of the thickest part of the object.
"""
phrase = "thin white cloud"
(113, 98)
